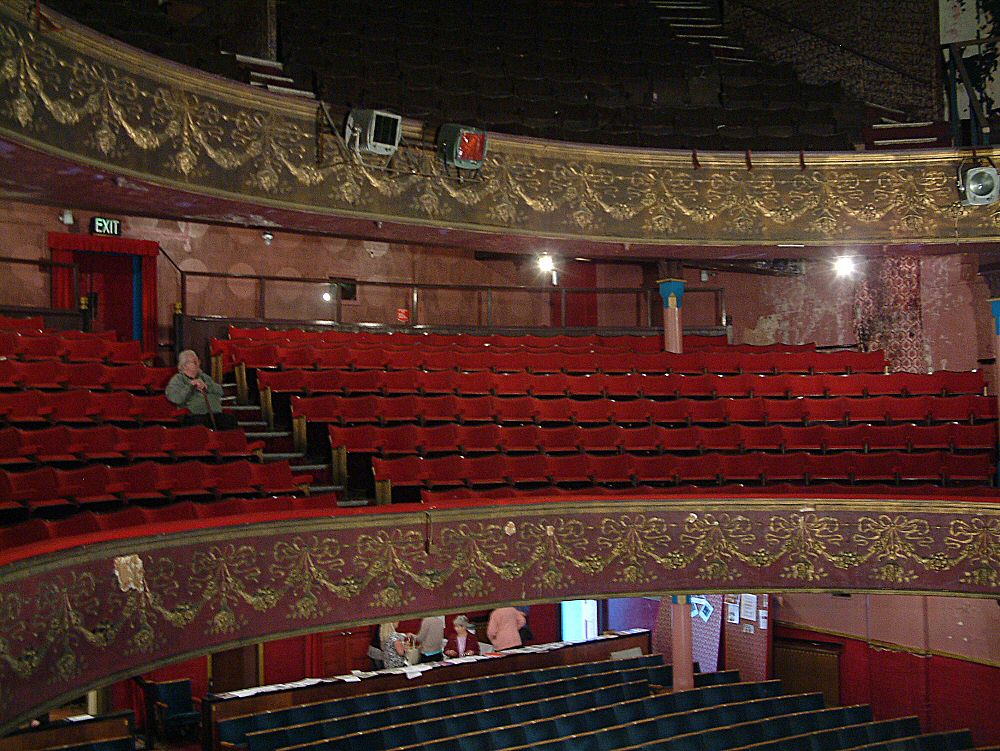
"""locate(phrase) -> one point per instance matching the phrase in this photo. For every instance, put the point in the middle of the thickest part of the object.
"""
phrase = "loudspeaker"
(980, 186)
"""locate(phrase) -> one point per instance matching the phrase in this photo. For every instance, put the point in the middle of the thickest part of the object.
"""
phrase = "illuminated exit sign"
(102, 225)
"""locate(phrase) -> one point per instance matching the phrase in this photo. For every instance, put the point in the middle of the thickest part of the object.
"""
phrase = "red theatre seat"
(645, 438)
(439, 439)
(525, 468)
(488, 438)
(562, 440)
(404, 471)
(438, 382)
(37, 489)
(616, 468)
(603, 439)
(15, 448)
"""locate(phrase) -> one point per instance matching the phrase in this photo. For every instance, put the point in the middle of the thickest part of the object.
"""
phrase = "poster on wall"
(748, 607)
(732, 612)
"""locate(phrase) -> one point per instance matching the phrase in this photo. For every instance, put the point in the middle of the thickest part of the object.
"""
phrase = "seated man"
(195, 390)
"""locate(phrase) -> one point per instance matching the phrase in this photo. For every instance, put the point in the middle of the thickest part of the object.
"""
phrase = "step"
(309, 467)
(228, 399)
(923, 141)
(703, 37)
(695, 25)
(265, 434)
(241, 407)
(353, 502)
(259, 62)
(290, 91)
(318, 489)
(282, 456)
(257, 77)
(888, 126)
(732, 59)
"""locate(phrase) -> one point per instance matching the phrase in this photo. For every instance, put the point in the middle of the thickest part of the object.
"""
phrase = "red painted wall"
(945, 693)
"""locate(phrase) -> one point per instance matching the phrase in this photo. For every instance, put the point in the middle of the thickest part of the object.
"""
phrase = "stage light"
(373, 132)
(327, 297)
(461, 146)
(979, 186)
(267, 237)
(546, 263)
(844, 266)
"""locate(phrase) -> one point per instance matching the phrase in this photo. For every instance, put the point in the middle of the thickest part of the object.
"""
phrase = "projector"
(373, 131)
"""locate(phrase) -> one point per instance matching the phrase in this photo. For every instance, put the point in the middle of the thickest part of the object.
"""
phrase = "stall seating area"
(592, 706)
(108, 732)
(98, 436)
(496, 413)
(317, 721)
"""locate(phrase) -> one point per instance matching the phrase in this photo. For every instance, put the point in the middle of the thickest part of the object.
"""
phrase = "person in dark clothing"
(194, 390)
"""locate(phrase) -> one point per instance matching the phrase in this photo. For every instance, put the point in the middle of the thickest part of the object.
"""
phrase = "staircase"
(269, 75)
(278, 447)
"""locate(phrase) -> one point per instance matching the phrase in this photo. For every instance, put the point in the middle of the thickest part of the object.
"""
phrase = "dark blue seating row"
(233, 731)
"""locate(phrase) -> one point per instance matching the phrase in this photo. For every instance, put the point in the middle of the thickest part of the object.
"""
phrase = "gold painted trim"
(91, 100)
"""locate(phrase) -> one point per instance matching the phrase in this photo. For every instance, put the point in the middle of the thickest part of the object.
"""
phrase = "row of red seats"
(259, 356)
(82, 406)
(76, 348)
(504, 469)
(489, 437)
(587, 342)
(558, 384)
(879, 409)
(777, 489)
(88, 522)
(111, 443)
(53, 374)
(30, 325)
(49, 490)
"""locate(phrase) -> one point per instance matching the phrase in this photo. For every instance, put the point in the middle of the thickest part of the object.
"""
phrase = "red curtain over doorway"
(64, 244)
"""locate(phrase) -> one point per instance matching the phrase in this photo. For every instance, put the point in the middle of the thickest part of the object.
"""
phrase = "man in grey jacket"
(194, 389)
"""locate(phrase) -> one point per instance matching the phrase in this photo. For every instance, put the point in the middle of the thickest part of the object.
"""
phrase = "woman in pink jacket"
(503, 628)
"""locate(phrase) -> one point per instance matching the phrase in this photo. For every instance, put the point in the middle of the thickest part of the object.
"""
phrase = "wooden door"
(234, 669)
(805, 666)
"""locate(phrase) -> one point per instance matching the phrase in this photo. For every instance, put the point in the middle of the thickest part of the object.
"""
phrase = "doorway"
(108, 280)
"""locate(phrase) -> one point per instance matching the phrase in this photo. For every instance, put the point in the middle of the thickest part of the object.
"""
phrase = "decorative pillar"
(672, 292)
(682, 657)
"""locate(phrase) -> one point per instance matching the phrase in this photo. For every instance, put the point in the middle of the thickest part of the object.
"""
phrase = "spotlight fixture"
(978, 182)
(547, 265)
(373, 132)
(844, 266)
(66, 217)
(461, 146)
(267, 237)
(327, 297)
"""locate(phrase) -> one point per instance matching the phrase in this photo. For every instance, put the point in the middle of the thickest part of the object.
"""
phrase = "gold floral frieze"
(69, 620)
(76, 94)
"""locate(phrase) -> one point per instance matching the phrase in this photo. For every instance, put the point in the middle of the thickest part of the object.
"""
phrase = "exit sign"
(102, 225)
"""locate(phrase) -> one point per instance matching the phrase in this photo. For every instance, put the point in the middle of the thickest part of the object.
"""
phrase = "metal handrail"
(642, 295)
(43, 264)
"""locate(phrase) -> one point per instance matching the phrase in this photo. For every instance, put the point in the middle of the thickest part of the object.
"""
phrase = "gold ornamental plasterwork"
(76, 94)
(136, 603)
